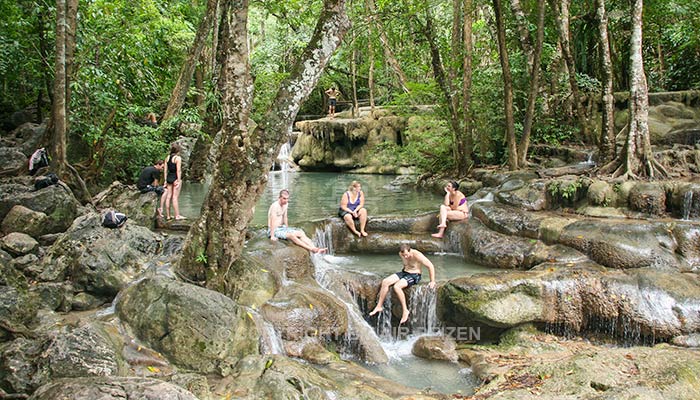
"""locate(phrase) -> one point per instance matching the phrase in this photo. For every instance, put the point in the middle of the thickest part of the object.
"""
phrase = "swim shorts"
(411, 279)
(282, 231)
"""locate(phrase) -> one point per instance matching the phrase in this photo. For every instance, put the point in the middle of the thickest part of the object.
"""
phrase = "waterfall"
(423, 308)
(687, 204)
(360, 338)
(270, 340)
(283, 157)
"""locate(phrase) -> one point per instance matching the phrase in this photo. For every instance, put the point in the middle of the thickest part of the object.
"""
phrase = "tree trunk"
(58, 141)
(353, 68)
(439, 72)
(215, 241)
(522, 23)
(636, 159)
(607, 131)
(177, 98)
(388, 53)
(534, 87)
(465, 143)
(564, 37)
(370, 72)
(507, 86)
(71, 32)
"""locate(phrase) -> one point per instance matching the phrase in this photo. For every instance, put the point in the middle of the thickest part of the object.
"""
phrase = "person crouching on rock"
(148, 179)
(454, 207)
(277, 225)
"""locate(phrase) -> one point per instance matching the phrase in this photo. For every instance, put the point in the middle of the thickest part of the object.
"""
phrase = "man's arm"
(428, 264)
(271, 223)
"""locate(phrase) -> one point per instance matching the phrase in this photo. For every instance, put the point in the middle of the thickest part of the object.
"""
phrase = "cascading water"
(423, 308)
(284, 156)
(687, 204)
(270, 340)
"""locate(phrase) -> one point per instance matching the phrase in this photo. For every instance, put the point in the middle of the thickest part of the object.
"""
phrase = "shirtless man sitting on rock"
(278, 229)
(413, 260)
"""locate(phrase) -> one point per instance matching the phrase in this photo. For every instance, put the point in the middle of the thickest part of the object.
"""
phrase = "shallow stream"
(316, 196)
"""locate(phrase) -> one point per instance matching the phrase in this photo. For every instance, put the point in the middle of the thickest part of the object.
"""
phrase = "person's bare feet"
(318, 250)
(376, 310)
(160, 213)
(364, 233)
(357, 233)
(437, 235)
(404, 316)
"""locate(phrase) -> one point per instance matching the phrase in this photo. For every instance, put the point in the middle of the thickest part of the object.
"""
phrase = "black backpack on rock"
(45, 181)
(113, 219)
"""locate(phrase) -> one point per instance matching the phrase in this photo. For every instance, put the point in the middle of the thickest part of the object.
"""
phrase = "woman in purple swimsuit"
(352, 207)
(454, 208)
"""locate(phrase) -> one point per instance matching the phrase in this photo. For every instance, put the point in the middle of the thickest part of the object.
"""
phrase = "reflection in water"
(316, 195)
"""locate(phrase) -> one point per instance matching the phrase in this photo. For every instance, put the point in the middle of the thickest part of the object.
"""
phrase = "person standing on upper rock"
(173, 183)
(277, 225)
(333, 94)
(454, 207)
(148, 179)
(413, 261)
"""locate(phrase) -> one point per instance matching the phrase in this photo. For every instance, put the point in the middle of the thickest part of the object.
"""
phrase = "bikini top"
(464, 200)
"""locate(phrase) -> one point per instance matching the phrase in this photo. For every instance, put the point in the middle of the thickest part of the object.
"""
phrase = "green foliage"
(427, 145)
(564, 189)
(127, 155)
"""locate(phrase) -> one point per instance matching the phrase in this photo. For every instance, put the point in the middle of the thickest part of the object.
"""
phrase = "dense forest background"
(128, 55)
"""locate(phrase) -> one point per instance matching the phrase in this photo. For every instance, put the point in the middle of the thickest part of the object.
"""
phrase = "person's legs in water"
(363, 221)
(398, 289)
(350, 222)
(386, 283)
(299, 238)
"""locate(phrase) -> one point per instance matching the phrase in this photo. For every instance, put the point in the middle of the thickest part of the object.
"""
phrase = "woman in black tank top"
(173, 184)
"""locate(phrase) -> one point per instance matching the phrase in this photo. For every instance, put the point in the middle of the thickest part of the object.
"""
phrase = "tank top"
(353, 206)
(172, 170)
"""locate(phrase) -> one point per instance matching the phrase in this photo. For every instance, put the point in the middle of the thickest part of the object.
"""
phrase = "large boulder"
(18, 309)
(18, 365)
(30, 136)
(18, 244)
(624, 244)
(81, 352)
(12, 161)
(435, 348)
(634, 305)
(127, 199)
(111, 388)
(56, 201)
(99, 260)
(523, 195)
(195, 328)
(21, 219)
(298, 311)
(649, 198)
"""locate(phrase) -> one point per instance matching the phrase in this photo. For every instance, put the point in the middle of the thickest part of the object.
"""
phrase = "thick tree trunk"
(562, 13)
(465, 143)
(636, 159)
(522, 24)
(507, 86)
(607, 132)
(216, 240)
(177, 98)
(534, 87)
(71, 32)
(388, 53)
(58, 140)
